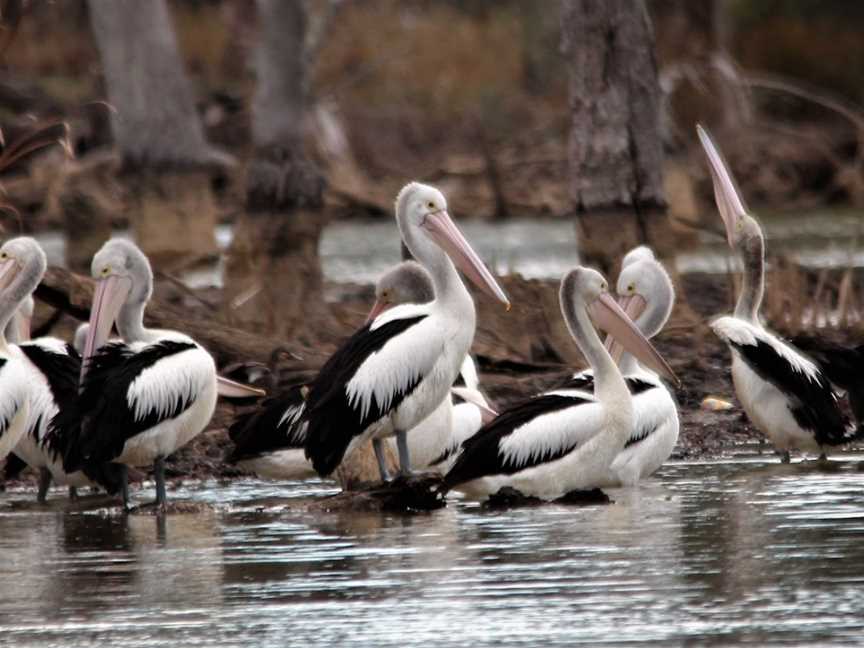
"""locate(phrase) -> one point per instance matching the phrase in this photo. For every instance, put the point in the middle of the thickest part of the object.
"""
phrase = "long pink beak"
(228, 388)
(609, 316)
(8, 269)
(726, 194)
(444, 232)
(377, 308)
(108, 299)
(633, 306)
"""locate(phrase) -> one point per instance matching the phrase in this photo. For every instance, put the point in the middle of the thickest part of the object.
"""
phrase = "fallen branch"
(73, 294)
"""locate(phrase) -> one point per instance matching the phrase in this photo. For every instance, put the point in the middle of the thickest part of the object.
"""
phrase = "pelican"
(394, 371)
(435, 441)
(269, 441)
(142, 398)
(20, 273)
(784, 392)
(552, 444)
(646, 294)
(52, 373)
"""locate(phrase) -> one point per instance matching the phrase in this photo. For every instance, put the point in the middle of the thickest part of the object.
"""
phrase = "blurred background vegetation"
(472, 95)
(426, 88)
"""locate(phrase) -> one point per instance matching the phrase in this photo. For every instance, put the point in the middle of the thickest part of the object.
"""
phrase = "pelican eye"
(105, 271)
(631, 288)
(3, 255)
(430, 205)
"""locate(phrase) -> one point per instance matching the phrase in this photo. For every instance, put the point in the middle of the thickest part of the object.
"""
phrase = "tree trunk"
(157, 129)
(615, 148)
(274, 254)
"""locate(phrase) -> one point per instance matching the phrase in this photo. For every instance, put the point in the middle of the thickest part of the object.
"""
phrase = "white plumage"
(785, 394)
(14, 402)
(555, 443)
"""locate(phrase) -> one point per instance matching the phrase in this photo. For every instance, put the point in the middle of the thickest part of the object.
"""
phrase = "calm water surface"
(737, 551)
(360, 252)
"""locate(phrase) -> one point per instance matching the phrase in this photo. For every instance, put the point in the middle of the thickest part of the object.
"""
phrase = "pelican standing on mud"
(52, 368)
(142, 398)
(20, 273)
(785, 393)
(646, 294)
(270, 439)
(552, 444)
(393, 372)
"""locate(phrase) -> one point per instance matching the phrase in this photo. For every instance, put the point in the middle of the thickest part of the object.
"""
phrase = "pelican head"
(123, 279)
(585, 288)
(640, 253)
(22, 266)
(422, 208)
(646, 293)
(742, 229)
(407, 283)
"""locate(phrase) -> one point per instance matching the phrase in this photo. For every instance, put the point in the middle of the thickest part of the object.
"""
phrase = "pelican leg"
(124, 486)
(378, 446)
(159, 474)
(784, 457)
(404, 459)
(44, 485)
(73, 493)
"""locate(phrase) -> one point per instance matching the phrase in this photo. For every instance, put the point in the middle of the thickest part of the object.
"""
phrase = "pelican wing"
(129, 389)
(366, 379)
(60, 364)
(536, 431)
(276, 425)
(842, 366)
(812, 401)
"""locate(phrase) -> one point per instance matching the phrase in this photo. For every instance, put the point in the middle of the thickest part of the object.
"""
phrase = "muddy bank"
(519, 353)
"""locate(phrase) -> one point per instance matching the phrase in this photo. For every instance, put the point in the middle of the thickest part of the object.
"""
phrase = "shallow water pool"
(742, 550)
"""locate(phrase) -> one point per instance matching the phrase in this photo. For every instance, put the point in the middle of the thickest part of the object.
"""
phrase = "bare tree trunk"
(615, 149)
(276, 240)
(156, 128)
(275, 246)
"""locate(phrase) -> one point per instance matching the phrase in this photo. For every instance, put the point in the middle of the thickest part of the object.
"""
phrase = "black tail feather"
(843, 366)
(14, 466)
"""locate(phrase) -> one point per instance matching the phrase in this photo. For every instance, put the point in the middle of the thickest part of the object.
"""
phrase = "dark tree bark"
(276, 239)
(615, 151)
(157, 129)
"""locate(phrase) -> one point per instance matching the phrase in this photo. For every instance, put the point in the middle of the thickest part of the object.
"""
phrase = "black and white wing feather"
(525, 435)
(362, 382)
(122, 397)
(811, 398)
(276, 425)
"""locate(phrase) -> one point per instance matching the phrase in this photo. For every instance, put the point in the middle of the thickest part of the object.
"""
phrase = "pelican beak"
(726, 194)
(8, 270)
(228, 388)
(110, 295)
(633, 306)
(609, 316)
(444, 232)
(475, 398)
(379, 307)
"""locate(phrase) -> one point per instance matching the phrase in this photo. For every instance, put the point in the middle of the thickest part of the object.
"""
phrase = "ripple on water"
(735, 551)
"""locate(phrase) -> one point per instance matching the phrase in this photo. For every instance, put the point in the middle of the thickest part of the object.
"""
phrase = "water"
(361, 252)
(736, 551)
